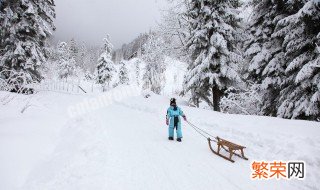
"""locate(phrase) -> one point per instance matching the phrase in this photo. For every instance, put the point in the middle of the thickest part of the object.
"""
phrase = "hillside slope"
(124, 146)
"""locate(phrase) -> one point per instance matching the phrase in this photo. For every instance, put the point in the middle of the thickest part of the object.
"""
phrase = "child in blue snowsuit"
(173, 119)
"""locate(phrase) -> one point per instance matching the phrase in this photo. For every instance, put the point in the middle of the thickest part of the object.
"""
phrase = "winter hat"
(173, 101)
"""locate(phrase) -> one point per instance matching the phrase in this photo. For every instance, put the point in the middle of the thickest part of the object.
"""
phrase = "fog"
(91, 20)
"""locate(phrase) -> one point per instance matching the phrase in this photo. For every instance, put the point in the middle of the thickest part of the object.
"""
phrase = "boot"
(170, 138)
(179, 139)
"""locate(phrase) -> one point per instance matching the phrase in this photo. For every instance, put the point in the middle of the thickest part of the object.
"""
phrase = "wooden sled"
(229, 147)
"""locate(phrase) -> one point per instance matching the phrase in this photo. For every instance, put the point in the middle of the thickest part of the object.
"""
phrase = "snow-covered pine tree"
(73, 47)
(105, 68)
(66, 62)
(264, 53)
(74, 50)
(92, 56)
(300, 92)
(137, 64)
(88, 76)
(245, 100)
(153, 78)
(123, 74)
(25, 27)
(81, 57)
(214, 27)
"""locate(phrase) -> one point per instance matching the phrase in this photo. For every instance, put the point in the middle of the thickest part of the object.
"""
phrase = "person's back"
(173, 120)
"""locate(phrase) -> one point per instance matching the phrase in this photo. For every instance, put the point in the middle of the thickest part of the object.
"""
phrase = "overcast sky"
(91, 20)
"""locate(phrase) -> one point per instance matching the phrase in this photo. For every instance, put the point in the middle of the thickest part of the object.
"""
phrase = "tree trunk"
(216, 96)
(197, 102)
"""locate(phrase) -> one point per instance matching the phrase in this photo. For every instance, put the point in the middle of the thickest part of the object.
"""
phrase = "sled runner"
(229, 147)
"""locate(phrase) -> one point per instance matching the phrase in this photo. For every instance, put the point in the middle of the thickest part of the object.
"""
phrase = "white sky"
(91, 20)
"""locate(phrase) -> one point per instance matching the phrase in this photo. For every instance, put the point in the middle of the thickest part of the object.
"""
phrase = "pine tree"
(123, 74)
(73, 48)
(212, 42)
(105, 67)
(81, 57)
(264, 53)
(25, 27)
(137, 64)
(300, 92)
(66, 62)
(92, 57)
(153, 78)
(74, 51)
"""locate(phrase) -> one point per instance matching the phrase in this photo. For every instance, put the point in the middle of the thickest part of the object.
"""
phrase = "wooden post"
(92, 87)
(78, 84)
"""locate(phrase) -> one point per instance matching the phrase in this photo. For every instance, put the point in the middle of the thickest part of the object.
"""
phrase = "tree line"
(268, 62)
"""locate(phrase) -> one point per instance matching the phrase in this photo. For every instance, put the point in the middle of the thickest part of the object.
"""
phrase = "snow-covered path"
(125, 146)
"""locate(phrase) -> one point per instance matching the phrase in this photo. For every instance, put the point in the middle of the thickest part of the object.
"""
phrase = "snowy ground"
(124, 146)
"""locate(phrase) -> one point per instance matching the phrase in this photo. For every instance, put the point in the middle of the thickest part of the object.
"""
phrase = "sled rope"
(202, 132)
(232, 147)
(221, 144)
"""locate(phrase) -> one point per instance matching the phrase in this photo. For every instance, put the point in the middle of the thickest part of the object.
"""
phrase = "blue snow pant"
(178, 128)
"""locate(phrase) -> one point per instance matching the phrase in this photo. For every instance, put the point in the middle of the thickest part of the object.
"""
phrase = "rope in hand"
(202, 132)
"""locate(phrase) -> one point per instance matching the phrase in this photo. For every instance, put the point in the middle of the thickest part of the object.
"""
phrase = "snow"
(124, 146)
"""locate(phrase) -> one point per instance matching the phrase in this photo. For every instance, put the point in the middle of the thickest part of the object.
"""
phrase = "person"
(173, 119)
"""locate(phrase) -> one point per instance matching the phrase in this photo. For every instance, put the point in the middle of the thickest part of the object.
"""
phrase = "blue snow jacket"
(173, 116)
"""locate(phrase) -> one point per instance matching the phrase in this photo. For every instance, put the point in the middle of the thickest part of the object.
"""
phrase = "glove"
(185, 118)
(167, 122)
